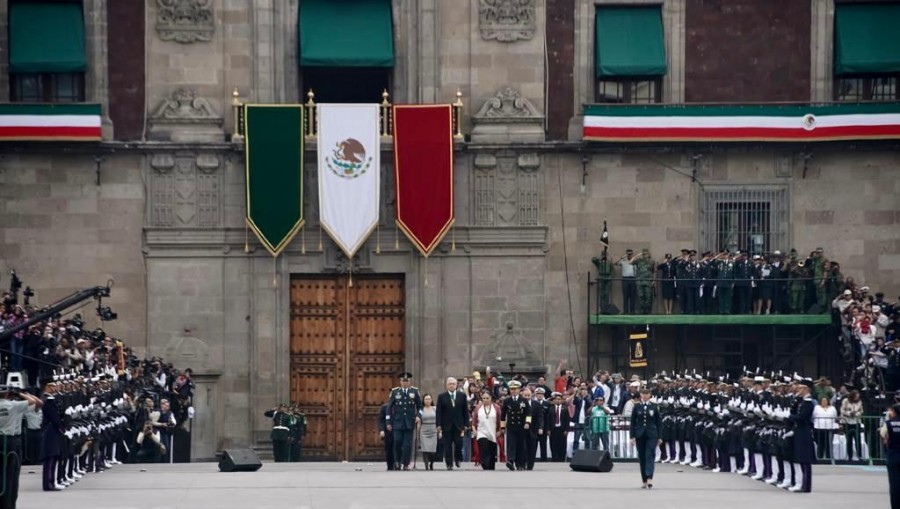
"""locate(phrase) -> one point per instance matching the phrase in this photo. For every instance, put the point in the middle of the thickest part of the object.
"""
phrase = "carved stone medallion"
(185, 21)
(506, 20)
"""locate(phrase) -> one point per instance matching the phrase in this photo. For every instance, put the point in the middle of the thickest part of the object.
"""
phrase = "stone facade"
(166, 219)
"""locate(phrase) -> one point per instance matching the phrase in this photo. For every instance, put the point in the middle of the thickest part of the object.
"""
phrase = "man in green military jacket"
(281, 420)
(298, 431)
(643, 275)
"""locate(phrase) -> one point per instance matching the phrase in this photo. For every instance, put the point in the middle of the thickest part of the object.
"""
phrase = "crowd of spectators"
(81, 364)
(869, 337)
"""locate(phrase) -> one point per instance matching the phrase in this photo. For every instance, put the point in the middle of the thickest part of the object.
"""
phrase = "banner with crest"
(423, 166)
(349, 172)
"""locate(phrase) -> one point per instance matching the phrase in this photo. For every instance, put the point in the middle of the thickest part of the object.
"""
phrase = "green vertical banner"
(273, 134)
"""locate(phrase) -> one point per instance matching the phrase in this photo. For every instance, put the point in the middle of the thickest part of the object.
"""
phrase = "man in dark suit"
(387, 437)
(452, 419)
(645, 432)
(557, 426)
(581, 418)
(515, 422)
(536, 430)
(543, 402)
(404, 406)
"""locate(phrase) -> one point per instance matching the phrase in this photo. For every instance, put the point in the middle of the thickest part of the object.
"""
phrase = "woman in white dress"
(825, 422)
(428, 431)
(486, 422)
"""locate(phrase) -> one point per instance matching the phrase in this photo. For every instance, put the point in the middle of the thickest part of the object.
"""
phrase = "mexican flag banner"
(349, 172)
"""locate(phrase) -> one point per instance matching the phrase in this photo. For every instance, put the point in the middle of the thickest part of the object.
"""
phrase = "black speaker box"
(585, 460)
(239, 460)
(815, 309)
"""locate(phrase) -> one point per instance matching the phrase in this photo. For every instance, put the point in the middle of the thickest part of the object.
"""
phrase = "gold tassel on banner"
(246, 237)
(426, 271)
(350, 284)
(452, 238)
(320, 237)
(274, 272)
(396, 236)
(378, 238)
(303, 239)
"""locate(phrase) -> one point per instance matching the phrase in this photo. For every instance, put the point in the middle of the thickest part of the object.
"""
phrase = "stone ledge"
(165, 242)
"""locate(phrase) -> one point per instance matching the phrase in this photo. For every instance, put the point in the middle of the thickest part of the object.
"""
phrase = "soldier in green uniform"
(643, 275)
(281, 420)
(404, 405)
(820, 272)
(796, 286)
(724, 282)
(298, 431)
(835, 281)
(604, 281)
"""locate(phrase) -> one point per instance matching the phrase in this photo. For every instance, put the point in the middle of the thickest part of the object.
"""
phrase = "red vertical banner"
(423, 169)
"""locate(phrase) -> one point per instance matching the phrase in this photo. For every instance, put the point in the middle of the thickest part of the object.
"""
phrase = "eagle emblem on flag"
(348, 159)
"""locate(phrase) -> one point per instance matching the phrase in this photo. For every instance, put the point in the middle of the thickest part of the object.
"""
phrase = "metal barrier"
(857, 442)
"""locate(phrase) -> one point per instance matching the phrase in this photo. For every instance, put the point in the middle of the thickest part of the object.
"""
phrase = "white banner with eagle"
(349, 172)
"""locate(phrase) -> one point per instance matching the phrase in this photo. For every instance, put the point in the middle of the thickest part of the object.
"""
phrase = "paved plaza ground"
(368, 486)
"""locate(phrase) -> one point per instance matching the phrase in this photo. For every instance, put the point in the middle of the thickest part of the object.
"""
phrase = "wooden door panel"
(318, 357)
(376, 356)
(314, 387)
(347, 346)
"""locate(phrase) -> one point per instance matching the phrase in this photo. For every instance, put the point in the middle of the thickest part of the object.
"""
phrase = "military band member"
(645, 433)
(404, 405)
(515, 422)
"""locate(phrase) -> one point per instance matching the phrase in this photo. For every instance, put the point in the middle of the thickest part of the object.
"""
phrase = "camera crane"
(60, 306)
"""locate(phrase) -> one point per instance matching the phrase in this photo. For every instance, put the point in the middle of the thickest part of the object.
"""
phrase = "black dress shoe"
(449, 467)
(457, 464)
(510, 466)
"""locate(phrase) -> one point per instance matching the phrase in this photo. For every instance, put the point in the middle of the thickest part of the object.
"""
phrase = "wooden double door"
(347, 347)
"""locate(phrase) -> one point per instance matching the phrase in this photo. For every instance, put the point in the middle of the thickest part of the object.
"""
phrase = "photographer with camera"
(13, 406)
(150, 446)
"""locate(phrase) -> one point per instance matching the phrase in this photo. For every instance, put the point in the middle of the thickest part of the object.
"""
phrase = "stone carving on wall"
(187, 351)
(508, 103)
(185, 21)
(184, 105)
(186, 117)
(506, 20)
(185, 191)
(507, 190)
(508, 117)
(510, 346)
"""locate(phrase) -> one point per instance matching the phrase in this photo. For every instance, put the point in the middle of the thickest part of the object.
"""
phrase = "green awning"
(629, 41)
(46, 37)
(866, 38)
(349, 33)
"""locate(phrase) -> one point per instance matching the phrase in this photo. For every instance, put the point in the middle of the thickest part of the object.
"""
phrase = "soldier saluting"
(402, 417)
(280, 432)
